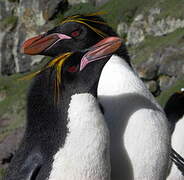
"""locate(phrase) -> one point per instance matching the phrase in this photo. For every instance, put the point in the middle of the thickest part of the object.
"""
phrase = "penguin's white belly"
(85, 154)
(147, 145)
(140, 140)
(178, 145)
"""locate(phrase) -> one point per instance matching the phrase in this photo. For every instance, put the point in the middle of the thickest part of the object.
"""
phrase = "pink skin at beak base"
(100, 50)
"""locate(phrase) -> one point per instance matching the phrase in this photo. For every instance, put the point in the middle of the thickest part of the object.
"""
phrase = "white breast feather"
(139, 135)
(85, 154)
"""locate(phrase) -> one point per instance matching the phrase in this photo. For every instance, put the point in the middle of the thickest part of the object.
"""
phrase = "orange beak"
(102, 49)
(40, 43)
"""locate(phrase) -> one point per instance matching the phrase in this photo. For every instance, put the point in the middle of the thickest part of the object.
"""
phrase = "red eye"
(72, 69)
(75, 33)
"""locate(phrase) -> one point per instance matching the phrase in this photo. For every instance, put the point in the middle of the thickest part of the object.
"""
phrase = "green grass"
(2, 173)
(152, 44)
(82, 8)
(13, 106)
(124, 10)
(15, 90)
(116, 10)
(172, 8)
(162, 99)
(8, 21)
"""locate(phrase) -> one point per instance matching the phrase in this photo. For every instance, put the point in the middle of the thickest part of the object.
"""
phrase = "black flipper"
(178, 160)
(174, 111)
(29, 165)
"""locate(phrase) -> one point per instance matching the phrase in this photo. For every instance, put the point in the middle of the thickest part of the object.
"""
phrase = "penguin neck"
(118, 72)
(123, 53)
(119, 81)
(82, 155)
(43, 114)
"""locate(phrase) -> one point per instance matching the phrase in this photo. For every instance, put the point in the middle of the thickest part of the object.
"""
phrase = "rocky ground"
(152, 30)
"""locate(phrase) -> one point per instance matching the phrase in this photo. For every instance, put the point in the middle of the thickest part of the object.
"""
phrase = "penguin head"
(81, 72)
(73, 34)
(175, 106)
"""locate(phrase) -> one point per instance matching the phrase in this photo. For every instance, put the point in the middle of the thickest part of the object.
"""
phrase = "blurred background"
(152, 30)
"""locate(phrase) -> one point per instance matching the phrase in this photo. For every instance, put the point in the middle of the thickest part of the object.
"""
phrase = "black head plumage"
(174, 107)
(82, 31)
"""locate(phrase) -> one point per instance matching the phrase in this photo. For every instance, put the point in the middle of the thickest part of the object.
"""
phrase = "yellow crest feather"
(57, 63)
(99, 13)
(80, 19)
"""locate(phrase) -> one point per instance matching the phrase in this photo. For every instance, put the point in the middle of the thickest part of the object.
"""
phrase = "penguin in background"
(174, 110)
(83, 152)
(139, 133)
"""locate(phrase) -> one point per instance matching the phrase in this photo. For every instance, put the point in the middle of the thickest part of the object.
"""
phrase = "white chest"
(140, 140)
(85, 154)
